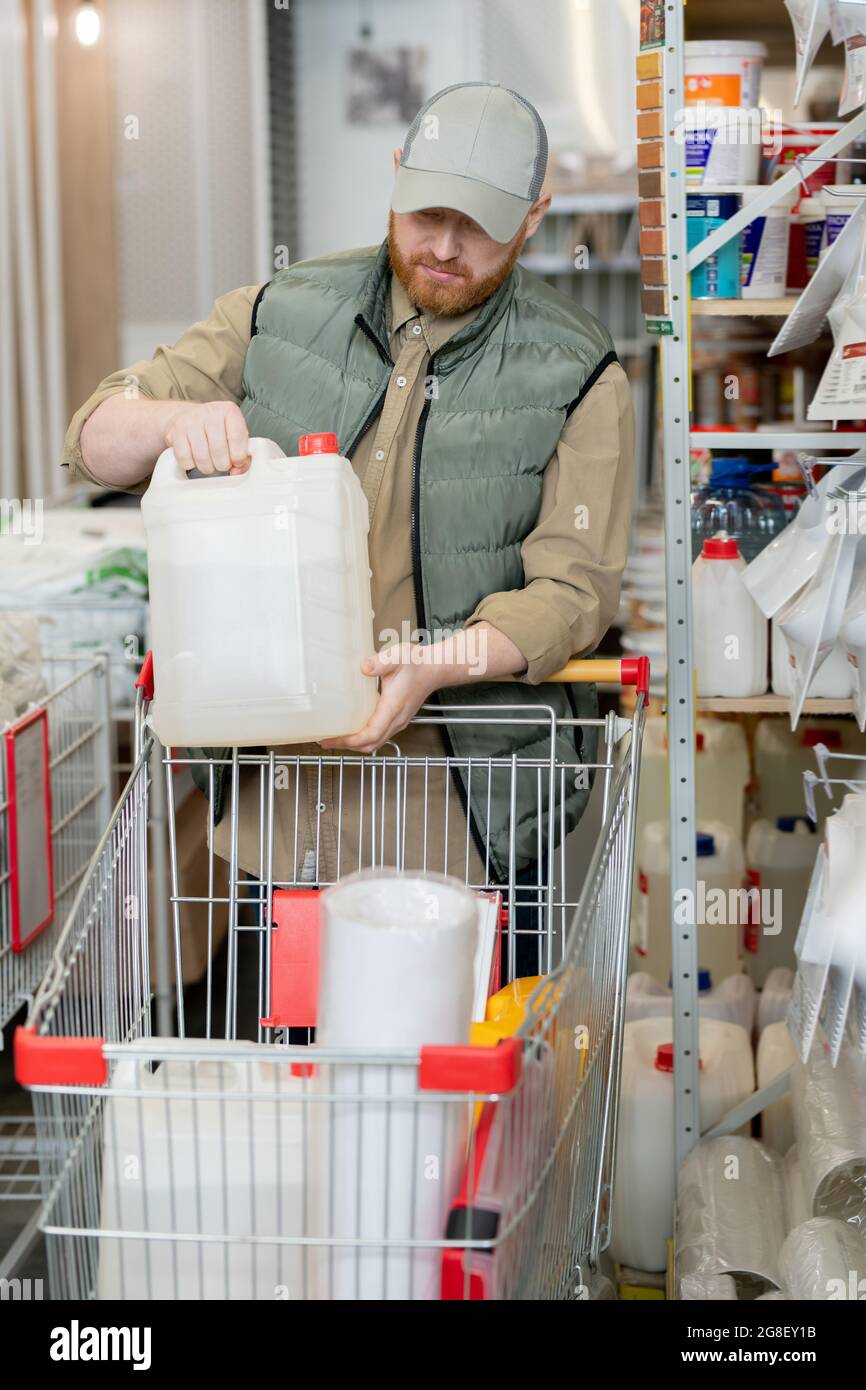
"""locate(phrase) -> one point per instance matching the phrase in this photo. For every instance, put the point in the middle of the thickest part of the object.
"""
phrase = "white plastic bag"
(21, 677)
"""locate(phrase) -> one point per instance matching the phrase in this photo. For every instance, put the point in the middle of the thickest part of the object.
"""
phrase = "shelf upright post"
(675, 373)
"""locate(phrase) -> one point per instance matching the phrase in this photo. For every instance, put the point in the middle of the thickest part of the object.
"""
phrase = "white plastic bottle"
(780, 859)
(730, 630)
(645, 1169)
(720, 905)
(259, 599)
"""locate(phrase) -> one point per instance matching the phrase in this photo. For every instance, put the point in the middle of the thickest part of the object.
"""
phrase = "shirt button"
(401, 381)
(417, 328)
(380, 454)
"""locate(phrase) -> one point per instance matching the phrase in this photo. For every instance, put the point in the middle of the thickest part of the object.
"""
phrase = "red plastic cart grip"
(636, 672)
(47, 1061)
(145, 677)
(294, 959)
(484, 1070)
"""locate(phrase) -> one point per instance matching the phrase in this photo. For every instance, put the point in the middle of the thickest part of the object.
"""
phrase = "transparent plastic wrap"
(796, 1202)
(21, 679)
(716, 1288)
(829, 1105)
(731, 1213)
(823, 1260)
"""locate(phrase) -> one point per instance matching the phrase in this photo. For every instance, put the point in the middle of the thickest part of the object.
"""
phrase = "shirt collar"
(436, 328)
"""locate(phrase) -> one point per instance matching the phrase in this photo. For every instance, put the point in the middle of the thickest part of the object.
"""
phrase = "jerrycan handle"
(168, 470)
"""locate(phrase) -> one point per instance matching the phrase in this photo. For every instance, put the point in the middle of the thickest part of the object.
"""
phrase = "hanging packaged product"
(840, 201)
(724, 73)
(810, 623)
(836, 268)
(730, 629)
(853, 16)
(719, 276)
(791, 559)
(841, 393)
(831, 682)
(723, 145)
(811, 21)
(853, 632)
(764, 249)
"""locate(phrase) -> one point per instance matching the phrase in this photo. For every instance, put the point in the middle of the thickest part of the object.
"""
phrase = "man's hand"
(212, 438)
(406, 683)
(411, 672)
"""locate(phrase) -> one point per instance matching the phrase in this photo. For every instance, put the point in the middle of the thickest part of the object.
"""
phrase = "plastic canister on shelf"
(734, 501)
(832, 680)
(780, 859)
(776, 1053)
(730, 631)
(799, 141)
(721, 768)
(645, 1178)
(809, 223)
(732, 1001)
(782, 756)
(775, 997)
(723, 145)
(840, 201)
(724, 72)
(764, 249)
(719, 276)
(721, 908)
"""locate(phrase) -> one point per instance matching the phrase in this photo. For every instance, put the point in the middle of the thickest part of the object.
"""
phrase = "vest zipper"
(415, 520)
(374, 411)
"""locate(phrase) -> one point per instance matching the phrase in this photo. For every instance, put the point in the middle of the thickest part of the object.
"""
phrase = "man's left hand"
(408, 680)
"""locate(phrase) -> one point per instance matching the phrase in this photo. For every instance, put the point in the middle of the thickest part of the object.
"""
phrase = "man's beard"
(442, 298)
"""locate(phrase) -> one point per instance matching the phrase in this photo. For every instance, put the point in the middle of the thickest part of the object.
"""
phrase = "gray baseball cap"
(476, 147)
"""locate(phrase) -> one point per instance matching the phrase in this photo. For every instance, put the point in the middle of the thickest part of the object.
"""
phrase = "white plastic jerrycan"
(260, 604)
(780, 859)
(645, 1170)
(730, 629)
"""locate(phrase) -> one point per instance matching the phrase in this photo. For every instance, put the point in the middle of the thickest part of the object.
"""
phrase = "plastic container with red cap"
(260, 599)
(730, 629)
(645, 1175)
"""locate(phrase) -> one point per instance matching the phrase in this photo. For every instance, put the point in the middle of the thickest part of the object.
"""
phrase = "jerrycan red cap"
(318, 444)
(664, 1060)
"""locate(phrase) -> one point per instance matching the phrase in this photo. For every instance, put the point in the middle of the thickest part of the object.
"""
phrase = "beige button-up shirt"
(573, 561)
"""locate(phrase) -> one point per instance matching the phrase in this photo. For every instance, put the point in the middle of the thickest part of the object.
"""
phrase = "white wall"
(573, 59)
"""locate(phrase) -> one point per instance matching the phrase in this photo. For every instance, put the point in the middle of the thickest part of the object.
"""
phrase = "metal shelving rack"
(677, 439)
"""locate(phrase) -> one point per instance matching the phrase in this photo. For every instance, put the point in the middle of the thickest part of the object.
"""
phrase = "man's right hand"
(212, 438)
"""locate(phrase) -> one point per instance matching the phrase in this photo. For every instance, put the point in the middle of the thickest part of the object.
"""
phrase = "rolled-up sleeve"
(205, 364)
(574, 557)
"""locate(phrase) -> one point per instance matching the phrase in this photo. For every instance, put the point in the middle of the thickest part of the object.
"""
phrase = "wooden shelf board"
(768, 704)
(746, 308)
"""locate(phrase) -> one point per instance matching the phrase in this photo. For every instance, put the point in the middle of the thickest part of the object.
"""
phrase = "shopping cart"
(55, 801)
(253, 1166)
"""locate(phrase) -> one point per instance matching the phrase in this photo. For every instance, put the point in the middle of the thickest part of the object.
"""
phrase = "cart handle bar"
(614, 670)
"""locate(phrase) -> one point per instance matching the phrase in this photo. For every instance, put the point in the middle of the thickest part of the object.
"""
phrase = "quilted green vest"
(498, 396)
